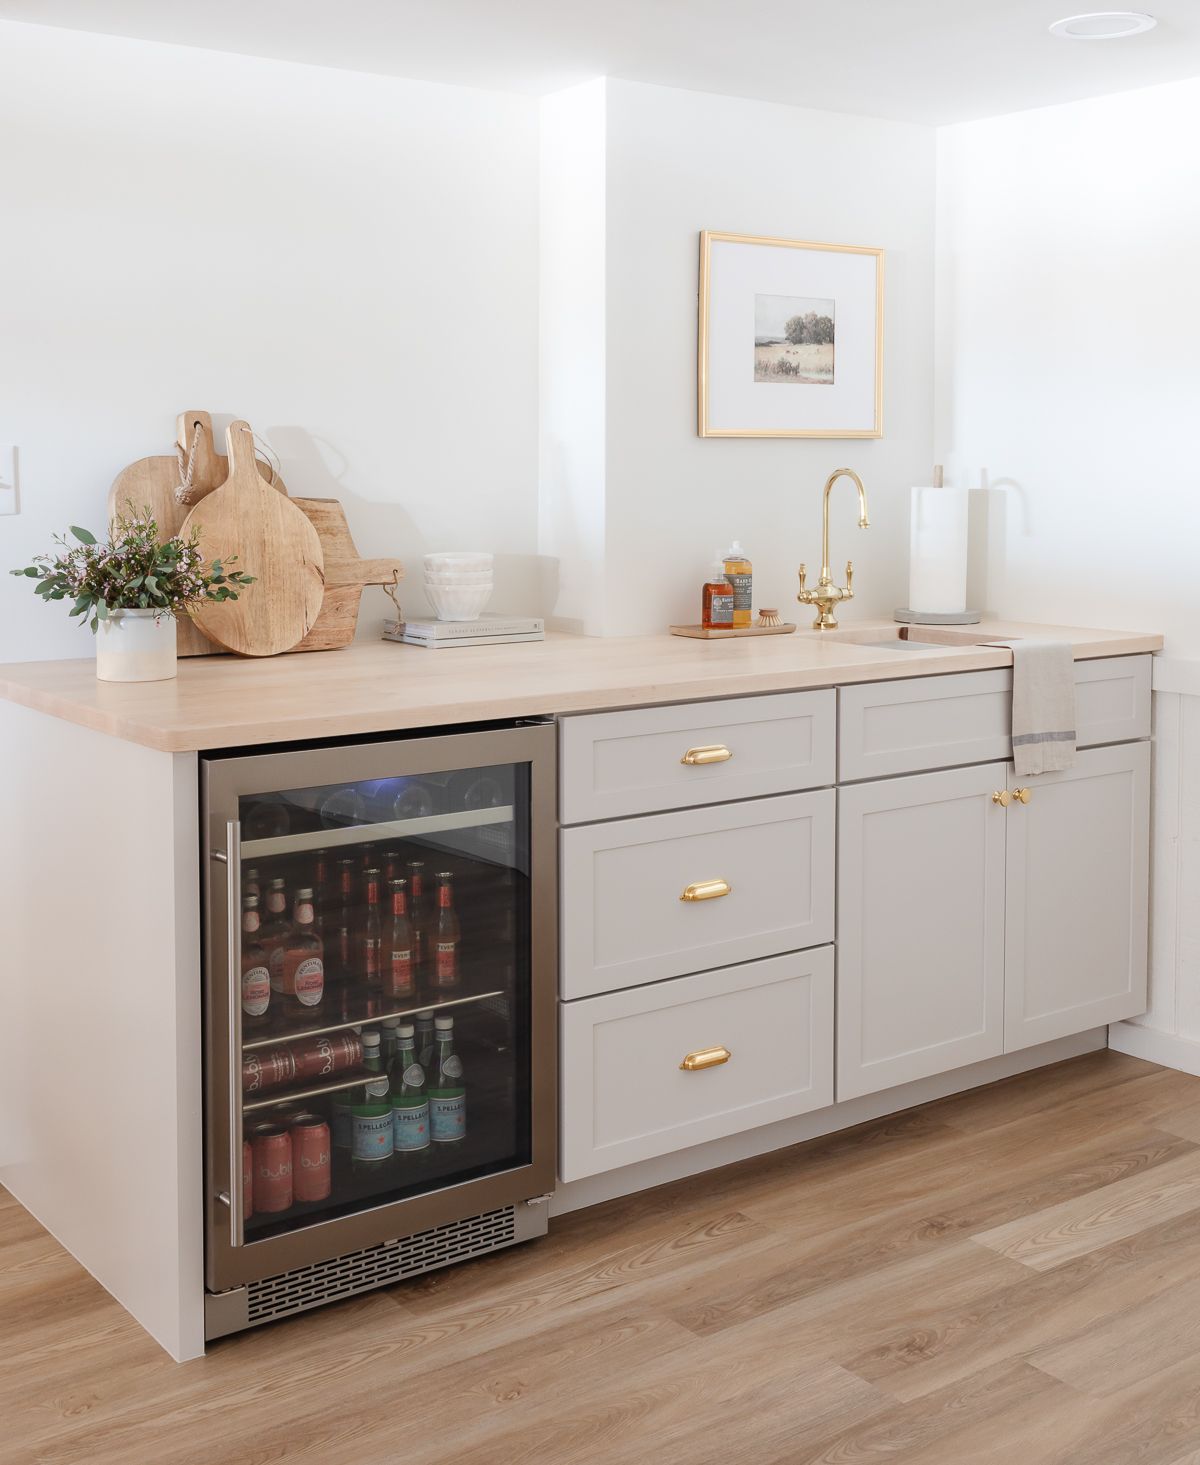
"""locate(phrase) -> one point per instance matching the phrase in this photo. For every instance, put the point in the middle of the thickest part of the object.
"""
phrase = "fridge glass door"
(383, 1029)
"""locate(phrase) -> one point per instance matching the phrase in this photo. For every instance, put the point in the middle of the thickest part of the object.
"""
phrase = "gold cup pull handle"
(705, 1058)
(1022, 795)
(1002, 797)
(706, 890)
(710, 753)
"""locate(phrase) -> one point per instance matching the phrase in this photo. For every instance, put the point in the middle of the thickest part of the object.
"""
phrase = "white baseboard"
(1168, 1049)
(648, 1173)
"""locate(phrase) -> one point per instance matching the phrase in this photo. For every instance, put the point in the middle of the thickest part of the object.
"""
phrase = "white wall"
(347, 261)
(1069, 377)
(680, 162)
(571, 518)
(1068, 383)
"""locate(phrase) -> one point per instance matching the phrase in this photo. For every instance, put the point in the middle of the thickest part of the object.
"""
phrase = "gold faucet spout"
(827, 594)
(863, 521)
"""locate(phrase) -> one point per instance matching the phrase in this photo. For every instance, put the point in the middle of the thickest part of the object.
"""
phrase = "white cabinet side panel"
(1167, 754)
(100, 1095)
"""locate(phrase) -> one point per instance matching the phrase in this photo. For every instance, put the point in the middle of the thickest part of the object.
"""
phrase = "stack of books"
(491, 630)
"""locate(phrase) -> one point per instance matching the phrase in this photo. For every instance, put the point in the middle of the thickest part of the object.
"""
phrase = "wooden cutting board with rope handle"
(274, 541)
(346, 576)
(169, 485)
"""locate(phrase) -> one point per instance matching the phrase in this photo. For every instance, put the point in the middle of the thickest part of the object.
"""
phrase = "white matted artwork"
(791, 338)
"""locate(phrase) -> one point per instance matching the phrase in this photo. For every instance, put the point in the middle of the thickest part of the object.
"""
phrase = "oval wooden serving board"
(274, 542)
(151, 483)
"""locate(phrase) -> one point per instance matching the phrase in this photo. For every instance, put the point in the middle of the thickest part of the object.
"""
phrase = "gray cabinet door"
(1078, 857)
(920, 944)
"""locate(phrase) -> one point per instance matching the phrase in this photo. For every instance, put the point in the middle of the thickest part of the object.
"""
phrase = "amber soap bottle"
(716, 609)
(740, 573)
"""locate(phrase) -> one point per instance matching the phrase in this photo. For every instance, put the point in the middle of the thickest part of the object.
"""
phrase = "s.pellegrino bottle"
(425, 1039)
(447, 1093)
(410, 1101)
(371, 1112)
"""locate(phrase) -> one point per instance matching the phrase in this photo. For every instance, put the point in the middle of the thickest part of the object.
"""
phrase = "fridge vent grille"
(376, 1266)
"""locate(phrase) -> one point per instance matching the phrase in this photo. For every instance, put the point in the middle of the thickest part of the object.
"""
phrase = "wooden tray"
(702, 633)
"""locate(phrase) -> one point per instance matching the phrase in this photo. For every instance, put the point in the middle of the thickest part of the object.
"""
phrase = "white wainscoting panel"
(1169, 1030)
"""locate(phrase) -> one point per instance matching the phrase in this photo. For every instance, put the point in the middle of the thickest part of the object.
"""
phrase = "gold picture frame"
(717, 425)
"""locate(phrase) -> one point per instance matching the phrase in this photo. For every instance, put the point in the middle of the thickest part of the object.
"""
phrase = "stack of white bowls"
(458, 585)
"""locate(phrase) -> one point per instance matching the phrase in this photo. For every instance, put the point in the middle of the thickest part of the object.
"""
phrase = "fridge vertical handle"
(231, 858)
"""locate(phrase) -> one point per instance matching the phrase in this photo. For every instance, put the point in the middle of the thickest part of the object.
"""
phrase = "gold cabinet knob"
(705, 1058)
(710, 753)
(1002, 797)
(706, 890)
(1022, 795)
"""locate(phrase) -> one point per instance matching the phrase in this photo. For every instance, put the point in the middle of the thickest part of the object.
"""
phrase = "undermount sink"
(920, 639)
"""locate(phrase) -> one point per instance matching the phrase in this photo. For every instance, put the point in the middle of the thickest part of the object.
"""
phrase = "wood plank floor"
(1009, 1276)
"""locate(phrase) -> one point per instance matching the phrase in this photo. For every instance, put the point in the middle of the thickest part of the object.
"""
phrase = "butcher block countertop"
(225, 702)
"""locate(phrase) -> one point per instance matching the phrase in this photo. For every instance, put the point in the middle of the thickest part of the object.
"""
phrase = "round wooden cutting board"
(150, 483)
(274, 542)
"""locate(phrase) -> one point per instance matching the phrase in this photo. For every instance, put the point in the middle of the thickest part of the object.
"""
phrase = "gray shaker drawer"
(618, 763)
(929, 722)
(624, 921)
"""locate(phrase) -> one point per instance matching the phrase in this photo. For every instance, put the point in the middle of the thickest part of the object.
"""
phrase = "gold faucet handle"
(849, 578)
(803, 578)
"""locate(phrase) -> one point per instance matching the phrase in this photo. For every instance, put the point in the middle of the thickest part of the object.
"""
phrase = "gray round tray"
(938, 618)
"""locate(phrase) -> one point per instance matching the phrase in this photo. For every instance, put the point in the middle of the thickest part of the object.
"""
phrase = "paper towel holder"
(937, 618)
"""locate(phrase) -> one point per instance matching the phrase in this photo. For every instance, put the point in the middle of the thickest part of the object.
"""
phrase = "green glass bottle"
(425, 1040)
(410, 1101)
(447, 1092)
(371, 1112)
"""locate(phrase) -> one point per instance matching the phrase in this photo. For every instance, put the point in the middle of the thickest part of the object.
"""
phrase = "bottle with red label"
(447, 935)
(399, 956)
(418, 913)
(297, 961)
(275, 928)
(322, 887)
(256, 974)
(338, 931)
(370, 936)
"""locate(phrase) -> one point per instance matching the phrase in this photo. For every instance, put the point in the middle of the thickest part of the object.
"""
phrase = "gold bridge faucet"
(827, 594)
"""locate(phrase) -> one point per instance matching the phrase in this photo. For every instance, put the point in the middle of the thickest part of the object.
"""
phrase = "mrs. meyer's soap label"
(742, 590)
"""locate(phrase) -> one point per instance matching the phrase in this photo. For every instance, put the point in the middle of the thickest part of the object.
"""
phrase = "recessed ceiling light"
(1104, 25)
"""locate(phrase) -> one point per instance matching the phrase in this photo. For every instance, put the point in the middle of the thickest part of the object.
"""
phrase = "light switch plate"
(8, 478)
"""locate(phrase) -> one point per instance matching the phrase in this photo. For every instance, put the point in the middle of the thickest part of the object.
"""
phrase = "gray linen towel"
(1043, 706)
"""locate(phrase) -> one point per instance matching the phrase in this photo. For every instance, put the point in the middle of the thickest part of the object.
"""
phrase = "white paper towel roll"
(937, 566)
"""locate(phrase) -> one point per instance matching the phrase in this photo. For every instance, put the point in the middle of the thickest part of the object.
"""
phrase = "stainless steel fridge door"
(237, 1253)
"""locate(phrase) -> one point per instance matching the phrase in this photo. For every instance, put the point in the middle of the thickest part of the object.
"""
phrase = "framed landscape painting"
(791, 338)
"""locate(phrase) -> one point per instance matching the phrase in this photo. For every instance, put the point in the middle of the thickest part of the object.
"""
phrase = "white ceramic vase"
(135, 646)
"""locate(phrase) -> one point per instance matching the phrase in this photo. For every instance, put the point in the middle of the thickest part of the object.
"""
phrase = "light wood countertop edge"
(223, 702)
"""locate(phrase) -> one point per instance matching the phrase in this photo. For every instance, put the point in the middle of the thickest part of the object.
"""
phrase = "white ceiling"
(930, 61)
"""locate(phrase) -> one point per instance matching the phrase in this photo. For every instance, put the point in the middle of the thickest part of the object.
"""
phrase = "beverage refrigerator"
(380, 1023)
